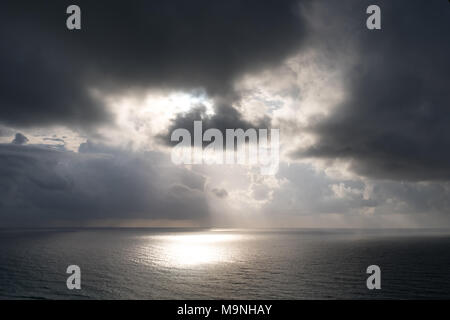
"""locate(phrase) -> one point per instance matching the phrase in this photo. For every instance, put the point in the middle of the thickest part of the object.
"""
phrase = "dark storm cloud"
(47, 70)
(40, 185)
(224, 117)
(19, 139)
(395, 121)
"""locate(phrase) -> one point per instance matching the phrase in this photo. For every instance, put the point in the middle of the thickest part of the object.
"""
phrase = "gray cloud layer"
(41, 185)
(395, 120)
(47, 70)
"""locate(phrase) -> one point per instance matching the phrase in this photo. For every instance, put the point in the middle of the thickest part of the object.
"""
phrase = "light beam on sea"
(191, 249)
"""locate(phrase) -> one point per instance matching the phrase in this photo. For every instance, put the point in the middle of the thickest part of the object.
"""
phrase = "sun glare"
(195, 249)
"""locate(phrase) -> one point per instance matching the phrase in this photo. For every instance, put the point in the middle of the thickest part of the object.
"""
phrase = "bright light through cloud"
(141, 117)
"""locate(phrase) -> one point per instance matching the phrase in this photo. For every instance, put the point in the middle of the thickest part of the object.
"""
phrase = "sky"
(86, 115)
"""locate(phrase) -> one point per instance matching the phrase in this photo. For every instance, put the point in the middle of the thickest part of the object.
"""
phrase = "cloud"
(20, 139)
(49, 73)
(224, 117)
(41, 186)
(394, 122)
(344, 97)
(220, 193)
(311, 198)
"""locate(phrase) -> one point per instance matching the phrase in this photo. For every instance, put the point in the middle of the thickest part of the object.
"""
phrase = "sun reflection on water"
(186, 250)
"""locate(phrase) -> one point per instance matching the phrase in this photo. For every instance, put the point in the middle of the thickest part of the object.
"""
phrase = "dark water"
(219, 264)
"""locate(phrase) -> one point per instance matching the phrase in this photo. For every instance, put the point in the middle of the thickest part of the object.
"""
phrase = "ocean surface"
(224, 264)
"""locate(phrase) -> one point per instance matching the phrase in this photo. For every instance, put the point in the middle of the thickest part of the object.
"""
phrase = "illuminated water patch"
(186, 250)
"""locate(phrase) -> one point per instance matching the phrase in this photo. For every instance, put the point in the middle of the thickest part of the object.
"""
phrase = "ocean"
(224, 264)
